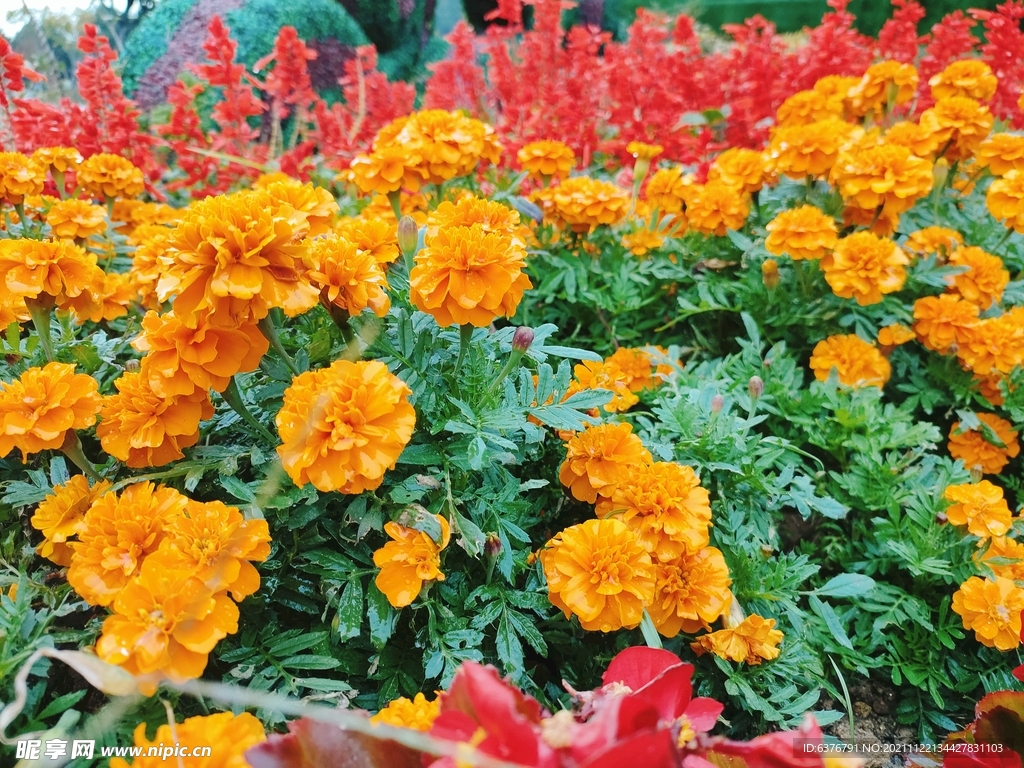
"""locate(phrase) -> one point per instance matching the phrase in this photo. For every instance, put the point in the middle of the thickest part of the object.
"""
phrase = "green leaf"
(476, 453)
(381, 615)
(846, 585)
(825, 612)
(237, 488)
(61, 703)
(350, 611)
(310, 661)
(510, 649)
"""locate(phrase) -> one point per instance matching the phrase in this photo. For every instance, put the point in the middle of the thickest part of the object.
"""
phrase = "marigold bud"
(770, 274)
(755, 386)
(717, 402)
(522, 338)
(408, 235)
(131, 366)
(492, 545)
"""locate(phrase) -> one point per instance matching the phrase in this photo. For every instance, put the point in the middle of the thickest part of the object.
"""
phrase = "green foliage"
(148, 42)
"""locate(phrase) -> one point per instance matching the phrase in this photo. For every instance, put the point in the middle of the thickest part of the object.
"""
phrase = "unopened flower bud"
(941, 518)
(940, 172)
(717, 402)
(492, 545)
(131, 366)
(408, 235)
(522, 338)
(770, 274)
(755, 387)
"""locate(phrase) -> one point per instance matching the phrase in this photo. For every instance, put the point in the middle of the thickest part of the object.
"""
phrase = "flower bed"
(607, 345)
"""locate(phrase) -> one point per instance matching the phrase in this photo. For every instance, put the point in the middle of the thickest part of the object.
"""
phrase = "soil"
(874, 710)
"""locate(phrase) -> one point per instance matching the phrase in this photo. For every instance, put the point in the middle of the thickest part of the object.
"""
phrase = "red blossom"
(898, 38)
(948, 41)
(1004, 42)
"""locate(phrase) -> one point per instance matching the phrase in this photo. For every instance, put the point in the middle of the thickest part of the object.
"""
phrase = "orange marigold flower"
(715, 208)
(992, 609)
(666, 189)
(691, 591)
(237, 256)
(37, 409)
(227, 735)
(863, 266)
(642, 241)
(148, 264)
(665, 505)
(739, 168)
(938, 240)
(753, 640)
(981, 507)
(1005, 200)
(20, 177)
(806, 107)
(418, 714)
(958, 123)
(73, 219)
(584, 203)
(469, 210)
(968, 77)
(599, 571)
(894, 335)
(60, 159)
(218, 545)
(136, 214)
(106, 176)
(180, 360)
(315, 203)
(547, 159)
(974, 448)
(409, 560)
(858, 363)
(1004, 548)
(107, 300)
(347, 277)
(885, 176)
(607, 375)
(61, 516)
(598, 457)
(378, 237)
(58, 268)
(641, 151)
(144, 429)
(919, 141)
(379, 207)
(942, 321)
(1001, 153)
(466, 275)
(882, 81)
(120, 532)
(342, 427)
(636, 367)
(988, 386)
(801, 233)
(807, 150)
(165, 623)
(985, 278)
(994, 343)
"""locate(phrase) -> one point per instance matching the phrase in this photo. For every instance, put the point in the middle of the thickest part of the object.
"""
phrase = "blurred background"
(155, 39)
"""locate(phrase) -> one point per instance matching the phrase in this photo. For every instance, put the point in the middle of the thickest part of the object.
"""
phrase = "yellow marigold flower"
(958, 123)
(148, 264)
(1005, 200)
(136, 213)
(883, 225)
(984, 280)
(607, 375)
(61, 516)
(119, 533)
(883, 81)
(863, 266)
(347, 277)
(691, 591)
(642, 241)
(937, 240)
(76, 219)
(977, 452)
(992, 609)
(969, 77)
(857, 362)
(37, 409)
(144, 429)
(379, 207)
(1001, 153)
(770, 274)
(981, 507)
(666, 189)
(919, 141)
(342, 427)
(1004, 548)
(547, 159)
(20, 177)
(107, 300)
(665, 505)
(165, 623)
(378, 237)
(106, 176)
(894, 335)
(739, 168)
(238, 256)
(598, 457)
(315, 203)
(806, 107)
(600, 572)
(885, 176)
(409, 560)
(466, 275)
(584, 203)
(988, 386)
(641, 151)
(715, 208)
(994, 343)
(490, 216)
(58, 268)
(942, 321)
(837, 85)
(752, 641)
(60, 159)
(418, 714)
(227, 735)
(807, 150)
(635, 365)
(801, 233)
(218, 545)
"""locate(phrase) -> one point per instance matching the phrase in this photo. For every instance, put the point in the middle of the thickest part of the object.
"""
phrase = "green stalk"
(513, 362)
(650, 632)
(39, 307)
(233, 398)
(269, 330)
(72, 448)
(395, 198)
(465, 334)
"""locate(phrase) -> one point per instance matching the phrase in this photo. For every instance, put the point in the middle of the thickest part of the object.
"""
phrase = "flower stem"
(649, 631)
(269, 330)
(72, 448)
(513, 362)
(465, 334)
(233, 398)
(39, 307)
(395, 198)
